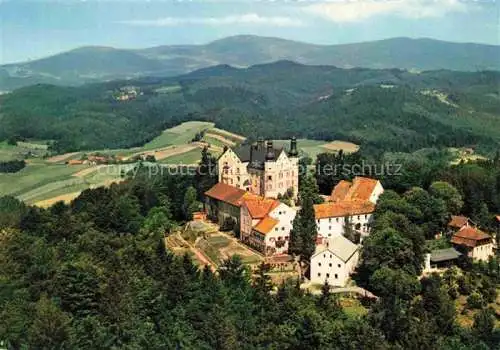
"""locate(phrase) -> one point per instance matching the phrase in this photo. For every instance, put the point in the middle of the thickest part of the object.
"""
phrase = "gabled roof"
(340, 246)
(226, 193)
(458, 221)
(444, 254)
(341, 209)
(339, 192)
(260, 207)
(470, 237)
(266, 225)
(361, 189)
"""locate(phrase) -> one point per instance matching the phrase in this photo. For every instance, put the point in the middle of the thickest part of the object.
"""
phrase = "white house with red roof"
(474, 243)
(266, 225)
(353, 202)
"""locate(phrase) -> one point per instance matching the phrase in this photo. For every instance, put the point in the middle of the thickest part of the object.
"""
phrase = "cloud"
(244, 19)
(358, 10)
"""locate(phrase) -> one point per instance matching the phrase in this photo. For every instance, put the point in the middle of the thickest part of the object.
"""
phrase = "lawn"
(219, 241)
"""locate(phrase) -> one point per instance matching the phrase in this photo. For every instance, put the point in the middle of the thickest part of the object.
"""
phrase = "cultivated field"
(45, 181)
(312, 148)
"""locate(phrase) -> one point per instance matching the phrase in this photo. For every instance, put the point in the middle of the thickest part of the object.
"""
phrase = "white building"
(271, 222)
(474, 243)
(334, 261)
(352, 201)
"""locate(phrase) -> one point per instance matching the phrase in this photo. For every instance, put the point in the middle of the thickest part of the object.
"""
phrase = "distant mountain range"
(96, 64)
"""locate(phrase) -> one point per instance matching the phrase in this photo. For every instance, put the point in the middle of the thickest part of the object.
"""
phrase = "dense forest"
(389, 110)
(96, 274)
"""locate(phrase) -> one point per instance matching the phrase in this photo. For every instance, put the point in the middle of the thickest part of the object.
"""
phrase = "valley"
(48, 179)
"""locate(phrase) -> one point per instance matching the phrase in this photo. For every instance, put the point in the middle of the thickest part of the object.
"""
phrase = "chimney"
(293, 147)
(260, 143)
(270, 150)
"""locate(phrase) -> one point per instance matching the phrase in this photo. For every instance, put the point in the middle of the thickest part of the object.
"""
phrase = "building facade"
(261, 168)
(269, 234)
(351, 204)
(333, 261)
(474, 243)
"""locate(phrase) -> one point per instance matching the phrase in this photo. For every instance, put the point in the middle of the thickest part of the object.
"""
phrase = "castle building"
(261, 168)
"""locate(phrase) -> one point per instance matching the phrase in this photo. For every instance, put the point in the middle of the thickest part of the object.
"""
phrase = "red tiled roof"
(226, 193)
(469, 236)
(266, 225)
(458, 221)
(361, 189)
(260, 207)
(339, 192)
(345, 208)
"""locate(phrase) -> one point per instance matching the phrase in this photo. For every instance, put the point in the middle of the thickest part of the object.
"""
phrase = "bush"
(465, 285)
(475, 301)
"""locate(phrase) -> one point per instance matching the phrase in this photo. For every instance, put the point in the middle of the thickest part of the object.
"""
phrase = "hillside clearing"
(346, 147)
(227, 134)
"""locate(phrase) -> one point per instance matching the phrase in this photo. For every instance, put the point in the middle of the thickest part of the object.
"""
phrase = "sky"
(32, 29)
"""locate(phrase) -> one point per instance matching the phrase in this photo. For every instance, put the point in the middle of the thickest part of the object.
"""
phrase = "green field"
(310, 148)
(190, 157)
(168, 89)
(11, 152)
(35, 176)
(41, 180)
(178, 135)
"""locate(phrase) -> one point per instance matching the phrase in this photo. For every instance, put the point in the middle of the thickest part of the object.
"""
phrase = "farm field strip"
(220, 138)
(228, 134)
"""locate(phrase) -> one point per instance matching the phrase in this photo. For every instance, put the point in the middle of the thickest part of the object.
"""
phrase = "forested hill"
(380, 109)
(93, 64)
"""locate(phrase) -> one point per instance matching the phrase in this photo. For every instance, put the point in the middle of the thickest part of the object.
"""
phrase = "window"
(282, 229)
(330, 220)
(327, 275)
(319, 274)
(330, 264)
(329, 227)
(331, 256)
(269, 177)
(339, 265)
(324, 255)
(319, 264)
(366, 216)
(337, 219)
(275, 229)
(336, 276)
